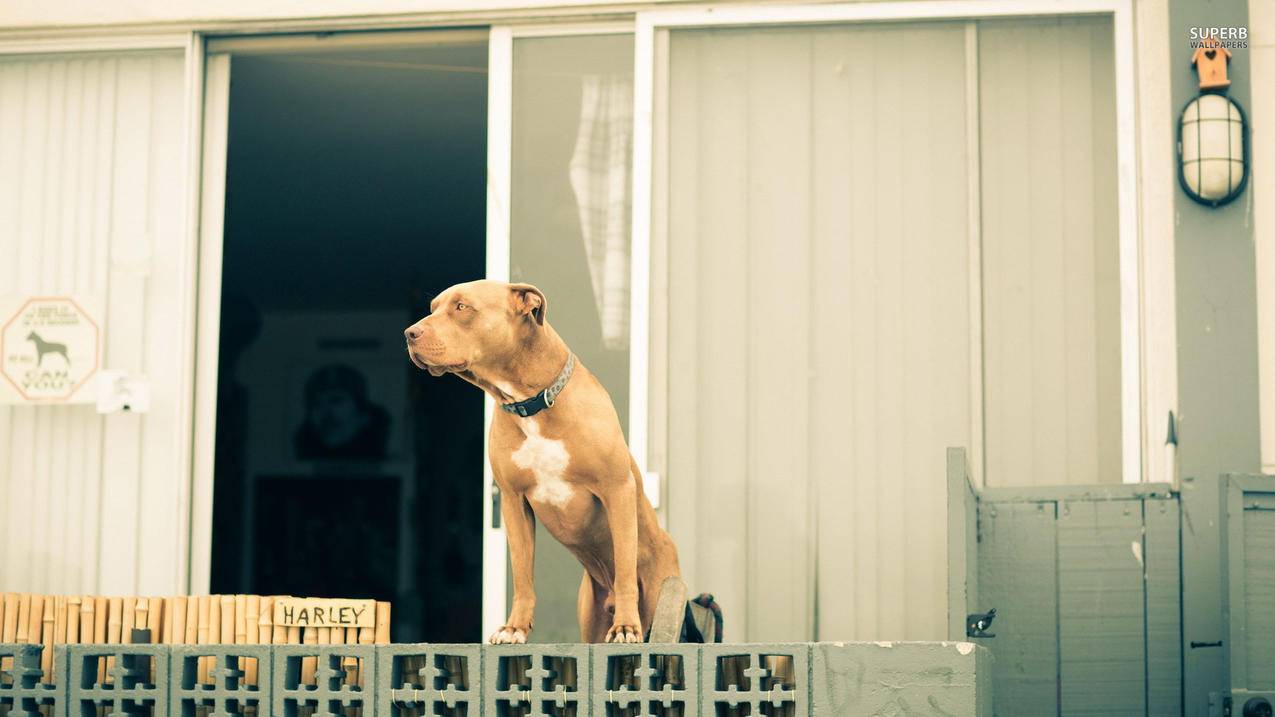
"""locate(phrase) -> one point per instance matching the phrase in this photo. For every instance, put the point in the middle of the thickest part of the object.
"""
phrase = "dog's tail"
(703, 620)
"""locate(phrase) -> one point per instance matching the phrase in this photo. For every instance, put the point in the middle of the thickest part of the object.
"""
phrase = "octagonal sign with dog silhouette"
(50, 348)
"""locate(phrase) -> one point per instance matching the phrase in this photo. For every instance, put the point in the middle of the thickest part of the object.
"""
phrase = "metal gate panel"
(1162, 553)
(1017, 575)
(1259, 595)
(1086, 584)
(1250, 536)
(1101, 615)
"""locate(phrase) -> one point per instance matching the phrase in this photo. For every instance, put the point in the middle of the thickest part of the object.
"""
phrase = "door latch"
(976, 624)
(495, 506)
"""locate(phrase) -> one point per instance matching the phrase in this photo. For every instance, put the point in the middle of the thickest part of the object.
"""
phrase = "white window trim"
(96, 43)
(571, 30)
(208, 183)
(652, 26)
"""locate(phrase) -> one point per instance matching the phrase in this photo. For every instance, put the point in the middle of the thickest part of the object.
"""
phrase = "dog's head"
(475, 323)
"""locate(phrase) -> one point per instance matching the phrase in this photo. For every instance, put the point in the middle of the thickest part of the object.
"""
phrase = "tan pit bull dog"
(557, 454)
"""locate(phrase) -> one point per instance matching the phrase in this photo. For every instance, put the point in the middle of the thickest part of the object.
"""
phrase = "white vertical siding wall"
(1051, 273)
(1261, 20)
(818, 323)
(92, 201)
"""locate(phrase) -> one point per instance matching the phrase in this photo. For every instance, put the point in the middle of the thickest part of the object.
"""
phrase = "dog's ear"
(527, 299)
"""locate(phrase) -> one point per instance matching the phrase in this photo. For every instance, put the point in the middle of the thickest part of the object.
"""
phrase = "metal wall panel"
(1050, 252)
(92, 180)
(808, 300)
(1248, 542)
(1259, 592)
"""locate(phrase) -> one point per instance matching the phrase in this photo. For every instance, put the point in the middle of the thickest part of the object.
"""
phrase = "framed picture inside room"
(329, 389)
(343, 410)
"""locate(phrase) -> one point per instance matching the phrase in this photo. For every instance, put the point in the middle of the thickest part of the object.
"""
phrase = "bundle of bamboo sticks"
(52, 620)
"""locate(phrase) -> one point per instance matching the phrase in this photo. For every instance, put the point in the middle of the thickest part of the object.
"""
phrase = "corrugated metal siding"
(92, 202)
(1050, 263)
(817, 254)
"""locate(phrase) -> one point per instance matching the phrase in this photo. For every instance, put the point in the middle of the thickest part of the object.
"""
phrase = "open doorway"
(355, 191)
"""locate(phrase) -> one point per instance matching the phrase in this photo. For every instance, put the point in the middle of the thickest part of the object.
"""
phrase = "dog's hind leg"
(591, 610)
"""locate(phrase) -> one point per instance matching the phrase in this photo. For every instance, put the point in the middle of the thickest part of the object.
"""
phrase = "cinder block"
(22, 683)
(776, 675)
(125, 679)
(428, 679)
(229, 693)
(542, 679)
(329, 696)
(646, 679)
(871, 678)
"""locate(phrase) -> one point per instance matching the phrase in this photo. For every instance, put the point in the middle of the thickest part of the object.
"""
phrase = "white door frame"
(499, 195)
(1261, 20)
(209, 184)
(500, 53)
(651, 43)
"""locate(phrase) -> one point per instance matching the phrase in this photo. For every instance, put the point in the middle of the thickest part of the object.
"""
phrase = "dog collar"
(545, 398)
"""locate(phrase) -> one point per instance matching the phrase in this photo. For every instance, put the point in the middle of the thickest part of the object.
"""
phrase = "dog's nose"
(412, 333)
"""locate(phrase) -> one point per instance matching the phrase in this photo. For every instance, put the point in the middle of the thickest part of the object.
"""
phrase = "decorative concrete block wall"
(788, 679)
(23, 688)
(219, 679)
(428, 679)
(776, 677)
(645, 679)
(122, 679)
(312, 679)
(536, 679)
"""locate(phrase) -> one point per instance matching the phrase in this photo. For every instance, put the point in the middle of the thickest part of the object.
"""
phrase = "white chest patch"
(547, 460)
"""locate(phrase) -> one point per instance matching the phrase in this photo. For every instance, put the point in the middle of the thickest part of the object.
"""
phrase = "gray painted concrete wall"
(1217, 358)
(1204, 665)
(1217, 286)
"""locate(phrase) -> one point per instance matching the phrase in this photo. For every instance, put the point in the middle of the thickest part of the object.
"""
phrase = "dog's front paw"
(624, 633)
(509, 635)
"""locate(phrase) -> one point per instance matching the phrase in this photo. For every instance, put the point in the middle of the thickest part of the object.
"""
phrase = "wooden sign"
(50, 348)
(324, 612)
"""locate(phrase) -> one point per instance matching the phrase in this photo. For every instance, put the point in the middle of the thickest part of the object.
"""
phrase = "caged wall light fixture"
(1213, 149)
(1212, 133)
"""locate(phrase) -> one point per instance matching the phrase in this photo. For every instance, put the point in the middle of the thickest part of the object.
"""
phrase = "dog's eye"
(461, 307)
